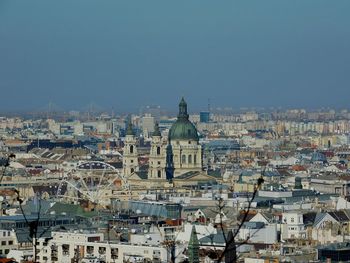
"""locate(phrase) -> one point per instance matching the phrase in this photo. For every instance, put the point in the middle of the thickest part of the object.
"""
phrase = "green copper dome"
(183, 129)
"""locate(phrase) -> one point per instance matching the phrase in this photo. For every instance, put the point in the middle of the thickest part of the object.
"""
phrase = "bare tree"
(33, 225)
(230, 250)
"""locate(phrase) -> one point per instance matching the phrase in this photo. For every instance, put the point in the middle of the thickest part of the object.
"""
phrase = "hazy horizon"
(125, 54)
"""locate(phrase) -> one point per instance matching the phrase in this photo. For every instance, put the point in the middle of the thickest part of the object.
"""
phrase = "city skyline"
(182, 132)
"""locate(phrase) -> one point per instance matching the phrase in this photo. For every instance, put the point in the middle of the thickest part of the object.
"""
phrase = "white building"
(293, 226)
(67, 246)
(8, 241)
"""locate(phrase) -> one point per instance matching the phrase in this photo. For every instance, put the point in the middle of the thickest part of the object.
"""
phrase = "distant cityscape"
(214, 186)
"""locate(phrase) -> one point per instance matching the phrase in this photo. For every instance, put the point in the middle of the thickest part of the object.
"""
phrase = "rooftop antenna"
(112, 112)
(49, 110)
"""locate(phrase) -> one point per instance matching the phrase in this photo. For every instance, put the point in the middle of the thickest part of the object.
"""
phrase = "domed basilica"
(184, 141)
(180, 156)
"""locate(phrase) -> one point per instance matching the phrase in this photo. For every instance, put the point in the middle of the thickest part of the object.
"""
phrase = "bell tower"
(130, 157)
(157, 156)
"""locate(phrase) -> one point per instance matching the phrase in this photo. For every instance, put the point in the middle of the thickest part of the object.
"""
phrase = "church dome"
(183, 129)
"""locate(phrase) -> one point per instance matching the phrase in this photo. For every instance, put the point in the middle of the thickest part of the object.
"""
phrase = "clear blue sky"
(126, 54)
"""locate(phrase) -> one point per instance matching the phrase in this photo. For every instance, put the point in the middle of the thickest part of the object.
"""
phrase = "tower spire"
(183, 109)
(193, 247)
(129, 130)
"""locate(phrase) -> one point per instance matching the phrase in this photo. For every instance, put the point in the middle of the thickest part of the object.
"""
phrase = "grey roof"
(253, 225)
(318, 157)
(225, 144)
(32, 207)
(23, 234)
(340, 216)
(187, 175)
(213, 239)
(271, 173)
(267, 216)
(335, 246)
(319, 217)
(309, 218)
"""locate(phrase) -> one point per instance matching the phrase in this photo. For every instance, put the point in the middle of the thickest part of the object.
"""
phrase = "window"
(131, 149)
(292, 219)
(132, 170)
(90, 250)
(159, 174)
(156, 254)
(114, 253)
(183, 159)
(190, 158)
(3, 243)
(195, 158)
(102, 250)
(93, 239)
(158, 150)
(7, 251)
(65, 249)
(10, 242)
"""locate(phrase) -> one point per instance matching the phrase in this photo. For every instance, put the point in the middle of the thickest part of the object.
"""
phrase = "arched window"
(158, 150)
(190, 158)
(132, 170)
(131, 149)
(183, 159)
(159, 173)
(195, 158)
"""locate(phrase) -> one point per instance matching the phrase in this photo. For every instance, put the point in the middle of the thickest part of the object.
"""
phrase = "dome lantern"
(183, 129)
